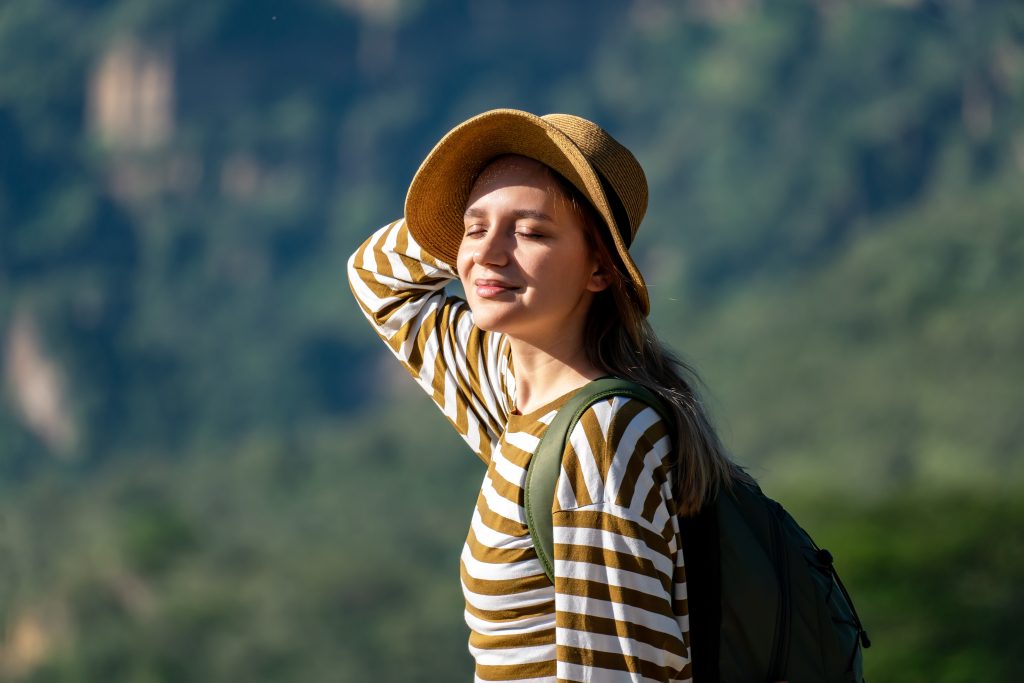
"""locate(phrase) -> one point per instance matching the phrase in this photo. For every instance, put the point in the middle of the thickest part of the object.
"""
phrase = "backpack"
(765, 602)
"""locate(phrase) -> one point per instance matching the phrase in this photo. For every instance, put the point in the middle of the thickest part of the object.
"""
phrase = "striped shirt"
(617, 609)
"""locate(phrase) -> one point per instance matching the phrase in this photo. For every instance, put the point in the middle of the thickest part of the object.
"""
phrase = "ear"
(599, 281)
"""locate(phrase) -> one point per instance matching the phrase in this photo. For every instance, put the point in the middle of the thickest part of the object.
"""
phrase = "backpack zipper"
(862, 640)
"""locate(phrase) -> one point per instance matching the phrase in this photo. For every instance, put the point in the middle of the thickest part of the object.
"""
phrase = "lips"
(490, 288)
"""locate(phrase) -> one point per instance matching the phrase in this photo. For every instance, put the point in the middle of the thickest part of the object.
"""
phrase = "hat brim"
(437, 197)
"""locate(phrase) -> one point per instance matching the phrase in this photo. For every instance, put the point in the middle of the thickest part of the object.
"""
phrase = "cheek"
(571, 273)
(463, 261)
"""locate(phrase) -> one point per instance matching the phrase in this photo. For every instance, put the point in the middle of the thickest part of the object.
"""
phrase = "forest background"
(200, 474)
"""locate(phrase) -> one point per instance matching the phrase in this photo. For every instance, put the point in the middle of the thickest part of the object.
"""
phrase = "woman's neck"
(545, 373)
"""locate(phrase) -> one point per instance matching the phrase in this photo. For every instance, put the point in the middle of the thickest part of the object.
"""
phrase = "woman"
(535, 216)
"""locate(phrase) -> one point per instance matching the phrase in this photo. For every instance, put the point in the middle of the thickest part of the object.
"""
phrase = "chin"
(490, 320)
(489, 323)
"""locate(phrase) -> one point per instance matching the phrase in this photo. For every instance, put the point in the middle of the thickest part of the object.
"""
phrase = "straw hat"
(607, 174)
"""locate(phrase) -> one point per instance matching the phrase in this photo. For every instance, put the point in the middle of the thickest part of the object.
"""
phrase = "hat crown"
(618, 168)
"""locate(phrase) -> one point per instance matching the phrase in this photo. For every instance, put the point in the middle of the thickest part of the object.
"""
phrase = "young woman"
(535, 216)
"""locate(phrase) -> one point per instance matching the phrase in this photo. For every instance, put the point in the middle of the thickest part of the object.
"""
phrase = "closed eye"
(530, 234)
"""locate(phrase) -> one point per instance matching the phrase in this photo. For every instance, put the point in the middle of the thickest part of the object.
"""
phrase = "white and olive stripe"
(617, 609)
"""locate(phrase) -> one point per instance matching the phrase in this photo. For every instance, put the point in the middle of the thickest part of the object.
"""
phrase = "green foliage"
(897, 371)
(329, 556)
(932, 575)
(833, 237)
(333, 557)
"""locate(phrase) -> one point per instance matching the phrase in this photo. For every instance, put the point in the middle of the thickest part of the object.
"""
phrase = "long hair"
(619, 340)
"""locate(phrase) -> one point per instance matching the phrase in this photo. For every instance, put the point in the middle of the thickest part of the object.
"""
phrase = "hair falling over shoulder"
(621, 341)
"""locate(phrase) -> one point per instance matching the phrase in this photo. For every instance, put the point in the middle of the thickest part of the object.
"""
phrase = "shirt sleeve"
(465, 370)
(620, 584)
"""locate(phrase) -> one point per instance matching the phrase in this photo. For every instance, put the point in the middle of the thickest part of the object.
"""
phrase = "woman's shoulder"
(614, 434)
(617, 424)
(618, 453)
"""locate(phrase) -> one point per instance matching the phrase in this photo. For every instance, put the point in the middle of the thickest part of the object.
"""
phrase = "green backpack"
(765, 602)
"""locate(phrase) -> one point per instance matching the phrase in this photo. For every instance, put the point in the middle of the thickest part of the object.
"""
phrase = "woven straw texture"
(583, 153)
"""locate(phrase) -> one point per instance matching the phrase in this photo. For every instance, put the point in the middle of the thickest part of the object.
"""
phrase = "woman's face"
(524, 261)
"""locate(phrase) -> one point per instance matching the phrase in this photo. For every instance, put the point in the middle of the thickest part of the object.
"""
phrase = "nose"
(492, 249)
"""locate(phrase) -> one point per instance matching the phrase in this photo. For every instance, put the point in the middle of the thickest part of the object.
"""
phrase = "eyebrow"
(519, 213)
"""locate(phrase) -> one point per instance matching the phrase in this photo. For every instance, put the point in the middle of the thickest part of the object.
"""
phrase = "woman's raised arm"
(400, 289)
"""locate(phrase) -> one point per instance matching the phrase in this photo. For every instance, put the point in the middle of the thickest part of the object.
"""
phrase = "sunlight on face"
(524, 260)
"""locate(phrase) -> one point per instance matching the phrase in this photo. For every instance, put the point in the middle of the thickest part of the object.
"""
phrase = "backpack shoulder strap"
(546, 463)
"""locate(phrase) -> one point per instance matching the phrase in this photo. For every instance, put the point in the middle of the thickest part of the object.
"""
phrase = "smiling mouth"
(492, 288)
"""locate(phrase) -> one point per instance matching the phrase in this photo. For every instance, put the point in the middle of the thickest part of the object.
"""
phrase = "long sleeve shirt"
(617, 608)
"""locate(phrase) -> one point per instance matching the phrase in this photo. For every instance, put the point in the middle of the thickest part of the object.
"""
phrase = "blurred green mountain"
(896, 364)
(182, 184)
(197, 461)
